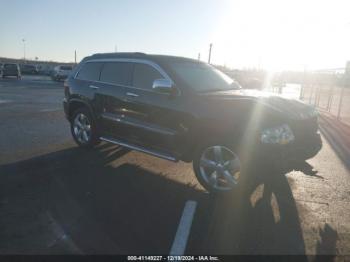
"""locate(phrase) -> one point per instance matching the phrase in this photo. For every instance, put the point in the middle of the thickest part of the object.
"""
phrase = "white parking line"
(183, 231)
(60, 235)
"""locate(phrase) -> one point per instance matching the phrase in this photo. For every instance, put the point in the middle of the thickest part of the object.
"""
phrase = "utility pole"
(24, 49)
(115, 49)
(199, 56)
(210, 46)
(75, 56)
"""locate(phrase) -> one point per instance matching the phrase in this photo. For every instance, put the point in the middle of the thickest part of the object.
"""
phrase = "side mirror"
(162, 86)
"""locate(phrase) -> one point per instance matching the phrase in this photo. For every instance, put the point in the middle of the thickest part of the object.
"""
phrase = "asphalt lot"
(58, 199)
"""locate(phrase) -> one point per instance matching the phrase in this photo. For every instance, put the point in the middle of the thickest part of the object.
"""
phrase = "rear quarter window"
(90, 71)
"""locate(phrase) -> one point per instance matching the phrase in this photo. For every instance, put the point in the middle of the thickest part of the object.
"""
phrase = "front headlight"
(277, 135)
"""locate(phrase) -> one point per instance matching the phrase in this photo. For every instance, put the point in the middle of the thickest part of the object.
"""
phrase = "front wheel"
(217, 168)
(83, 128)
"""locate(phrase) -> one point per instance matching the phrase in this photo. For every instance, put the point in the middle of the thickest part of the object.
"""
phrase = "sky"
(270, 34)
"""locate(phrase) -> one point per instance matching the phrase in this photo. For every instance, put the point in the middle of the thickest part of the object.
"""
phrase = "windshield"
(203, 77)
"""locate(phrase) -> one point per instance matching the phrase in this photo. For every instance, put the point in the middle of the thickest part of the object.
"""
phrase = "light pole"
(24, 49)
(210, 46)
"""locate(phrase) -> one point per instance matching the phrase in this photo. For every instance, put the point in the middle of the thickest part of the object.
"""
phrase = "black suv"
(182, 109)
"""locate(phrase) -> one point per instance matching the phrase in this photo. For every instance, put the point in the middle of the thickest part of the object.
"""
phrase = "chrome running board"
(141, 149)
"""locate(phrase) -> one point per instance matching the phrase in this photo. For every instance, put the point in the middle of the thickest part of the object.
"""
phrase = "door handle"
(132, 94)
(93, 87)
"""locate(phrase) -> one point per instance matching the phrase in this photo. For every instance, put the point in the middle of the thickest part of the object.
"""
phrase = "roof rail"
(120, 53)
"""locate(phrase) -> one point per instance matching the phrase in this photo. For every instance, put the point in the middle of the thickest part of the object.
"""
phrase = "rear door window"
(144, 76)
(117, 73)
(90, 71)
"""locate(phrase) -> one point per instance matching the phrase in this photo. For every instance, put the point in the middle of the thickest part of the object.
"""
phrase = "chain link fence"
(330, 97)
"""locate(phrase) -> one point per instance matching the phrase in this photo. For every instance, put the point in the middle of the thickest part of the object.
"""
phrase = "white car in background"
(61, 72)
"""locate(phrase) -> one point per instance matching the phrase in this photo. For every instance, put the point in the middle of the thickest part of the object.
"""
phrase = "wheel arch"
(203, 135)
(74, 104)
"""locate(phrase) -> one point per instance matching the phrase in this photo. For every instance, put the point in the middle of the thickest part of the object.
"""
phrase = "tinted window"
(90, 72)
(144, 75)
(203, 77)
(116, 73)
(10, 66)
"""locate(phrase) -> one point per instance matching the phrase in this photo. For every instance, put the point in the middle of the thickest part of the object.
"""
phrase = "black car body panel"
(177, 122)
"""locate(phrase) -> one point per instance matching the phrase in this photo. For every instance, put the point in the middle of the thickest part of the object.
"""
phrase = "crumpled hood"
(290, 107)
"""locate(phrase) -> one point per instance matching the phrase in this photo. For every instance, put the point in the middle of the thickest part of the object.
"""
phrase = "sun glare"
(279, 35)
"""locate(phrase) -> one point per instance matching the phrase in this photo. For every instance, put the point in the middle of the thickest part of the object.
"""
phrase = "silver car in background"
(61, 72)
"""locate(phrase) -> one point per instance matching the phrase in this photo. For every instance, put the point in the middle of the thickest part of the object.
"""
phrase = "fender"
(80, 101)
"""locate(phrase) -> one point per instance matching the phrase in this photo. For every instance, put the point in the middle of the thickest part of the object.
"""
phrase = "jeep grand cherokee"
(182, 109)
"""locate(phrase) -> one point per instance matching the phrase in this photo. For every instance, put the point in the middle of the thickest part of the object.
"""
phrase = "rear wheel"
(218, 168)
(83, 128)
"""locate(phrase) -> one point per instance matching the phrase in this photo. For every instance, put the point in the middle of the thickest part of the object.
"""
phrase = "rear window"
(116, 73)
(10, 66)
(90, 72)
(66, 68)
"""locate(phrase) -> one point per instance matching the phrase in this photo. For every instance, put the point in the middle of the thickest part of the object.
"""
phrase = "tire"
(83, 128)
(216, 161)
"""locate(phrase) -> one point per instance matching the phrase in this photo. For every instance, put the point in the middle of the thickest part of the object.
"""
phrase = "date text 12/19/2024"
(173, 258)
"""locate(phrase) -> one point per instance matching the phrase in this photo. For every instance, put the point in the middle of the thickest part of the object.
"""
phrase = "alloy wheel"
(220, 168)
(82, 128)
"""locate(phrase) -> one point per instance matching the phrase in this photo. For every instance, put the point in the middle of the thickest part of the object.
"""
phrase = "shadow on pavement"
(327, 244)
(76, 201)
(259, 218)
(95, 202)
